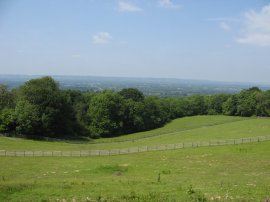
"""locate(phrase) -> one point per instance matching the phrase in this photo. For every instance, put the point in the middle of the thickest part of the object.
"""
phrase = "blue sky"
(225, 40)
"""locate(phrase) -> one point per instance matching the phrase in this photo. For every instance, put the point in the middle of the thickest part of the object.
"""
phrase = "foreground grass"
(198, 128)
(225, 173)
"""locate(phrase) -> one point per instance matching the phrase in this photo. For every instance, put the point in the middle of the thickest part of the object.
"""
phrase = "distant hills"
(164, 87)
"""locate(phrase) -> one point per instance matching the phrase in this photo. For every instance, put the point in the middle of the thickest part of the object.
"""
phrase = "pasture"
(223, 173)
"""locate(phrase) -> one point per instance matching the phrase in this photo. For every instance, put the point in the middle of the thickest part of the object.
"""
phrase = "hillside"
(224, 173)
(188, 129)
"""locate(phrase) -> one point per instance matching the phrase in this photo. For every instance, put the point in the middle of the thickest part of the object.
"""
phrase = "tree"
(153, 114)
(132, 116)
(52, 116)
(79, 103)
(106, 114)
(7, 120)
(28, 121)
(214, 103)
(247, 102)
(229, 107)
(263, 103)
(6, 98)
(175, 107)
(133, 94)
(195, 105)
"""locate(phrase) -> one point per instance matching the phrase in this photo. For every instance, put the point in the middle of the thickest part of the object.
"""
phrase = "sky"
(222, 40)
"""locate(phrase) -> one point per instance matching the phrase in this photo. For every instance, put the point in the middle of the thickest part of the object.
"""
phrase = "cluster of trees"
(41, 108)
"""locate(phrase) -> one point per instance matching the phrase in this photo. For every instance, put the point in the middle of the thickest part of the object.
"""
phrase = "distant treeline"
(39, 108)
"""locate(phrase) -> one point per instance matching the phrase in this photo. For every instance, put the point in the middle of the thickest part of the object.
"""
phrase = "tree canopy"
(39, 108)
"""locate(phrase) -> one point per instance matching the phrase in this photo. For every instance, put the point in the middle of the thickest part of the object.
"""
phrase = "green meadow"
(222, 173)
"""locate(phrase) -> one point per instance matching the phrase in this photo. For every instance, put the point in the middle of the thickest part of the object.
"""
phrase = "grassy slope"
(199, 128)
(225, 173)
(180, 124)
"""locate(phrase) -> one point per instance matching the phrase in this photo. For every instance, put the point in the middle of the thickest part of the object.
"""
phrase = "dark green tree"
(6, 98)
(247, 102)
(214, 103)
(28, 120)
(229, 107)
(79, 102)
(154, 115)
(7, 120)
(195, 105)
(132, 116)
(52, 116)
(106, 114)
(133, 94)
(263, 103)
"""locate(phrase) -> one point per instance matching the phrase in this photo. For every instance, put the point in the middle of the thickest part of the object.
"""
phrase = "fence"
(88, 153)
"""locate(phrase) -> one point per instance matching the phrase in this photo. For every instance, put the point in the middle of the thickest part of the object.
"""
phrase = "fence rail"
(88, 153)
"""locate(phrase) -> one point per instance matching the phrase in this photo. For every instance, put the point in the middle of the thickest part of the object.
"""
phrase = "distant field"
(224, 173)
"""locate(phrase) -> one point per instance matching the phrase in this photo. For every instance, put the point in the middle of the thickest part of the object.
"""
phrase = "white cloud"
(168, 4)
(257, 28)
(101, 38)
(224, 26)
(124, 6)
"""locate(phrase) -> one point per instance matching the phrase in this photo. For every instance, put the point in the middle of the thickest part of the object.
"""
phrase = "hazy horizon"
(224, 40)
(135, 78)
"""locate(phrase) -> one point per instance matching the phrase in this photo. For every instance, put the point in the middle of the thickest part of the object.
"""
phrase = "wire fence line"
(131, 150)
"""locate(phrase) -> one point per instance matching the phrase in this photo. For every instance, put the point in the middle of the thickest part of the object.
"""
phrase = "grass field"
(224, 173)
(198, 128)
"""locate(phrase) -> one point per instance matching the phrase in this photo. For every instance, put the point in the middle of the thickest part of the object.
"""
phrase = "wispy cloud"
(224, 26)
(257, 28)
(168, 4)
(124, 6)
(101, 38)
